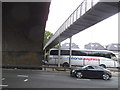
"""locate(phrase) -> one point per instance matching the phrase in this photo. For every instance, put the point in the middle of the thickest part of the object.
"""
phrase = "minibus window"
(87, 53)
(65, 52)
(107, 55)
(96, 54)
(78, 53)
(54, 52)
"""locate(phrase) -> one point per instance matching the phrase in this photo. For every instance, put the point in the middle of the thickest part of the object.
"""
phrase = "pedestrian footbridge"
(87, 14)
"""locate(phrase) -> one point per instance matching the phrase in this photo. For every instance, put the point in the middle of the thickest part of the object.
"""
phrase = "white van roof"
(84, 50)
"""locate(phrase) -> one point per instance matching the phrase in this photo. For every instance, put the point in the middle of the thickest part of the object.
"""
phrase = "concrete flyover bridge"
(88, 13)
(23, 27)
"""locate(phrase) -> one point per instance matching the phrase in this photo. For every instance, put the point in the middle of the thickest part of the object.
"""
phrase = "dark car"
(91, 72)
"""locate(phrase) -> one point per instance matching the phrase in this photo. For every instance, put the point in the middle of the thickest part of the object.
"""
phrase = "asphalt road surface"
(39, 79)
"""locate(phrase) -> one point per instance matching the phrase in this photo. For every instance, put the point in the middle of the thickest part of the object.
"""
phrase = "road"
(40, 79)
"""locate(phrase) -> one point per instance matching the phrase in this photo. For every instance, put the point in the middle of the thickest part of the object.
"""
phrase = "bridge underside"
(23, 26)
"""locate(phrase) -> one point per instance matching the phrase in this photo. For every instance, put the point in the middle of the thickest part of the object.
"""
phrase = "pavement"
(116, 74)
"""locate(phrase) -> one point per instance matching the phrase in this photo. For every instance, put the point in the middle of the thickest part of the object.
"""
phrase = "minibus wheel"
(102, 65)
(65, 64)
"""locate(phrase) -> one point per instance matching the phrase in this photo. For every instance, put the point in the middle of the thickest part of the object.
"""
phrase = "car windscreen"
(98, 67)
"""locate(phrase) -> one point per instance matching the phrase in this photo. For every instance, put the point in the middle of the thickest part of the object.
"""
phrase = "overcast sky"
(105, 32)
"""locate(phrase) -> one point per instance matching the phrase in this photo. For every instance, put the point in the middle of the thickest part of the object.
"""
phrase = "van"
(82, 57)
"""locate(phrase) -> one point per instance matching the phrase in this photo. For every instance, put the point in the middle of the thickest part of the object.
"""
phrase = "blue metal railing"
(81, 9)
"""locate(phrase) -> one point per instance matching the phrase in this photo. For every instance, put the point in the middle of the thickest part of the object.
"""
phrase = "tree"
(47, 37)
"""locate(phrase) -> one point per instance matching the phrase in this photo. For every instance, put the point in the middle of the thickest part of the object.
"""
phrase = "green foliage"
(56, 46)
(47, 37)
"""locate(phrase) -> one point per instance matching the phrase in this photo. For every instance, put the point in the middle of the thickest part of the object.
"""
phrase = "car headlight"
(73, 71)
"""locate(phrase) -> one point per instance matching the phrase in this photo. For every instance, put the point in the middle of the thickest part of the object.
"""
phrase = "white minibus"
(82, 58)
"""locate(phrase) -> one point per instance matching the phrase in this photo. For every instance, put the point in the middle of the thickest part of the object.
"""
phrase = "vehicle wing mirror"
(114, 58)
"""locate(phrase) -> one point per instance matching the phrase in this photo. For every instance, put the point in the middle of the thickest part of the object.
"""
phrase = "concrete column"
(0, 30)
(70, 52)
(59, 52)
(45, 55)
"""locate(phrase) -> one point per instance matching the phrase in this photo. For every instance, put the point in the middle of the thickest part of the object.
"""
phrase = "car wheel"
(65, 64)
(106, 77)
(79, 75)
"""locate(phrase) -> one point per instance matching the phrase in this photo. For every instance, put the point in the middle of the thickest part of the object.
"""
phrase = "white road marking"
(22, 75)
(25, 80)
(3, 85)
(3, 79)
(84, 79)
